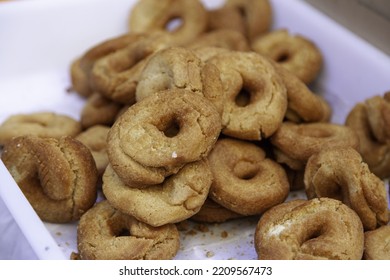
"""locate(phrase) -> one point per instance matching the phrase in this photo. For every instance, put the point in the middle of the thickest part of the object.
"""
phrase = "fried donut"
(116, 75)
(41, 124)
(82, 66)
(303, 104)
(105, 233)
(257, 16)
(378, 113)
(377, 244)
(99, 110)
(376, 154)
(340, 173)
(179, 197)
(317, 229)
(180, 68)
(296, 53)
(228, 18)
(57, 176)
(212, 212)
(256, 99)
(95, 139)
(299, 141)
(244, 179)
(159, 134)
(155, 15)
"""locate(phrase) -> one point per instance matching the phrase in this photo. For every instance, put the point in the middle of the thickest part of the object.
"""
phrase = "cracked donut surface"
(179, 197)
(319, 229)
(58, 177)
(340, 173)
(105, 233)
(160, 134)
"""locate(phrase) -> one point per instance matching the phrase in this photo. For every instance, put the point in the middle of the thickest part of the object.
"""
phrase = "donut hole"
(243, 98)
(174, 24)
(245, 170)
(282, 57)
(170, 127)
(123, 232)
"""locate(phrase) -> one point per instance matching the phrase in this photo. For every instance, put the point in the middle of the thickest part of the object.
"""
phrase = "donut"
(105, 233)
(340, 173)
(255, 96)
(376, 244)
(316, 229)
(41, 124)
(296, 53)
(244, 179)
(81, 67)
(303, 104)
(299, 141)
(257, 16)
(180, 68)
(155, 15)
(222, 38)
(99, 110)
(95, 139)
(159, 134)
(378, 113)
(116, 75)
(212, 212)
(57, 176)
(176, 199)
(226, 18)
(376, 154)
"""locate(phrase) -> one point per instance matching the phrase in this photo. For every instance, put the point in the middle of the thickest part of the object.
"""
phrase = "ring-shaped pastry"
(245, 180)
(57, 176)
(176, 199)
(319, 229)
(155, 15)
(340, 173)
(163, 132)
(296, 53)
(105, 233)
(255, 96)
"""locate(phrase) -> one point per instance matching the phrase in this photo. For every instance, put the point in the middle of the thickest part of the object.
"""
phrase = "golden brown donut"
(257, 16)
(155, 15)
(340, 173)
(228, 18)
(377, 244)
(105, 233)
(41, 124)
(223, 38)
(300, 141)
(95, 139)
(296, 53)
(317, 229)
(82, 66)
(212, 212)
(57, 176)
(116, 75)
(180, 68)
(376, 154)
(244, 179)
(159, 134)
(177, 198)
(303, 104)
(256, 99)
(378, 113)
(99, 110)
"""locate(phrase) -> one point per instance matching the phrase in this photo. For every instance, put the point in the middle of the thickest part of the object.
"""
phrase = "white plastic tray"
(40, 38)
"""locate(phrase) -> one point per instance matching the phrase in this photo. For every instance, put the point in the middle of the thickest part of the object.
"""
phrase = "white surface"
(40, 38)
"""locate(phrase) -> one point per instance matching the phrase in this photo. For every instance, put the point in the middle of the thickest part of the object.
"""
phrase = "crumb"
(210, 254)
(224, 234)
(191, 232)
(69, 89)
(183, 225)
(203, 228)
(58, 233)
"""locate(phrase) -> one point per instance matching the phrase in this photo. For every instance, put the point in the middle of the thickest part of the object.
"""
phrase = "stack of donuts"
(206, 115)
